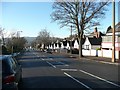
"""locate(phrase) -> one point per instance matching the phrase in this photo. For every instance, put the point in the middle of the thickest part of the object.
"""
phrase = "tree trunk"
(80, 45)
(80, 34)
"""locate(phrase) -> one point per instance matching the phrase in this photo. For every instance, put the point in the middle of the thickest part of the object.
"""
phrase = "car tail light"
(9, 79)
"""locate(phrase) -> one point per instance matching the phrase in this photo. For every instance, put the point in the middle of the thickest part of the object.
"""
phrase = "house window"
(87, 47)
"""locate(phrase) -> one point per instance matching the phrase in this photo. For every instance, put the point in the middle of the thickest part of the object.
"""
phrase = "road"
(52, 71)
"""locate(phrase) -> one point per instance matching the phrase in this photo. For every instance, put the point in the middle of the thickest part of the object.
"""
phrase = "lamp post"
(113, 37)
(18, 34)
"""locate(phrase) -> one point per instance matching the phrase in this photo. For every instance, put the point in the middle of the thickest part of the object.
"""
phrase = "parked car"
(16, 55)
(75, 51)
(11, 72)
(49, 51)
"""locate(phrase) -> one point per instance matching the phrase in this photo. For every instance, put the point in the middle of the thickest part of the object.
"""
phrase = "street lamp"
(18, 34)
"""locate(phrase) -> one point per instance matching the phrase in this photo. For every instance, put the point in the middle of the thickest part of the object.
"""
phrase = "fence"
(101, 53)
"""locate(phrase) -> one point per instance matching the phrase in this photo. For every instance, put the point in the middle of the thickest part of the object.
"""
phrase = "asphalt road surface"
(52, 71)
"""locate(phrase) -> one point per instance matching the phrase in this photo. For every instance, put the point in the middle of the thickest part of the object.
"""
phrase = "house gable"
(92, 43)
(117, 30)
(87, 42)
(76, 45)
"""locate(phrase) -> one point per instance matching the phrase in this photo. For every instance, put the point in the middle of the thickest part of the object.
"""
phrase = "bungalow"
(92, 43)
(62, 46)
(64, 43)
(76, 43)
(94, 40)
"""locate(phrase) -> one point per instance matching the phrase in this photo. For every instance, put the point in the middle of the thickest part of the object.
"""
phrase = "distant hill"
(30, 39)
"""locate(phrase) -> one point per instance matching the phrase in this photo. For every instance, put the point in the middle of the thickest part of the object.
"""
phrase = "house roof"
(68, 41)
(95, 41)
(83, 40)
(117, 28)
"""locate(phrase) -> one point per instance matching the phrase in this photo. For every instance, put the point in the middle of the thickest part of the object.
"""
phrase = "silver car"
(11, 72)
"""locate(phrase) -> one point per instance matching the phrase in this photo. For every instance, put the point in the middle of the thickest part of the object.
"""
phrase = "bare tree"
(43, 37)
(16, 44)
(81, 14)
(2, 35)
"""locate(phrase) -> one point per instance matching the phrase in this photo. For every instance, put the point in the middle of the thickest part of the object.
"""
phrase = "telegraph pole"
(113, 37)
(71, 41)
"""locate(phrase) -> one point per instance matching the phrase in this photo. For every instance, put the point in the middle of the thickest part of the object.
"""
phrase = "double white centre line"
(69, 70)
(100, 78)
(77, 81)
(51, 64)
(114, 84)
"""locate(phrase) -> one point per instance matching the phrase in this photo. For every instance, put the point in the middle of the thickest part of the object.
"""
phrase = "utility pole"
(113, 37)
(71, 41)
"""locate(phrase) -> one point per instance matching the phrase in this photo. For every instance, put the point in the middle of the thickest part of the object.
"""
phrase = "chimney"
(96, 33)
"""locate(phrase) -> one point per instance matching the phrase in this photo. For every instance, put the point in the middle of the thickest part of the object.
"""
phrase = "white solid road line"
(62, 64)
(38, 56)
(51, 64)
(51, 58)
(43, 59)
(77, 81)
(46, 61)
(69, 70)
(100, 78)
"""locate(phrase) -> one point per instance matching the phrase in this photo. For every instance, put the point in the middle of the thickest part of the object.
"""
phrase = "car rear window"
(5, 66)
(9, 64)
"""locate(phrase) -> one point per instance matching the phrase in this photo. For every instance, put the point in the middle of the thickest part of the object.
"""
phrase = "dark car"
(49, 51)
(11, 72)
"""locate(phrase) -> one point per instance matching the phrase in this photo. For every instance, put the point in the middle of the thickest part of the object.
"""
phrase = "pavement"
(92, 58)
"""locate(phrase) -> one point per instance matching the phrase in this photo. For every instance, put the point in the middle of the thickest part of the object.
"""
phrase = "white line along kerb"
(100, 78)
